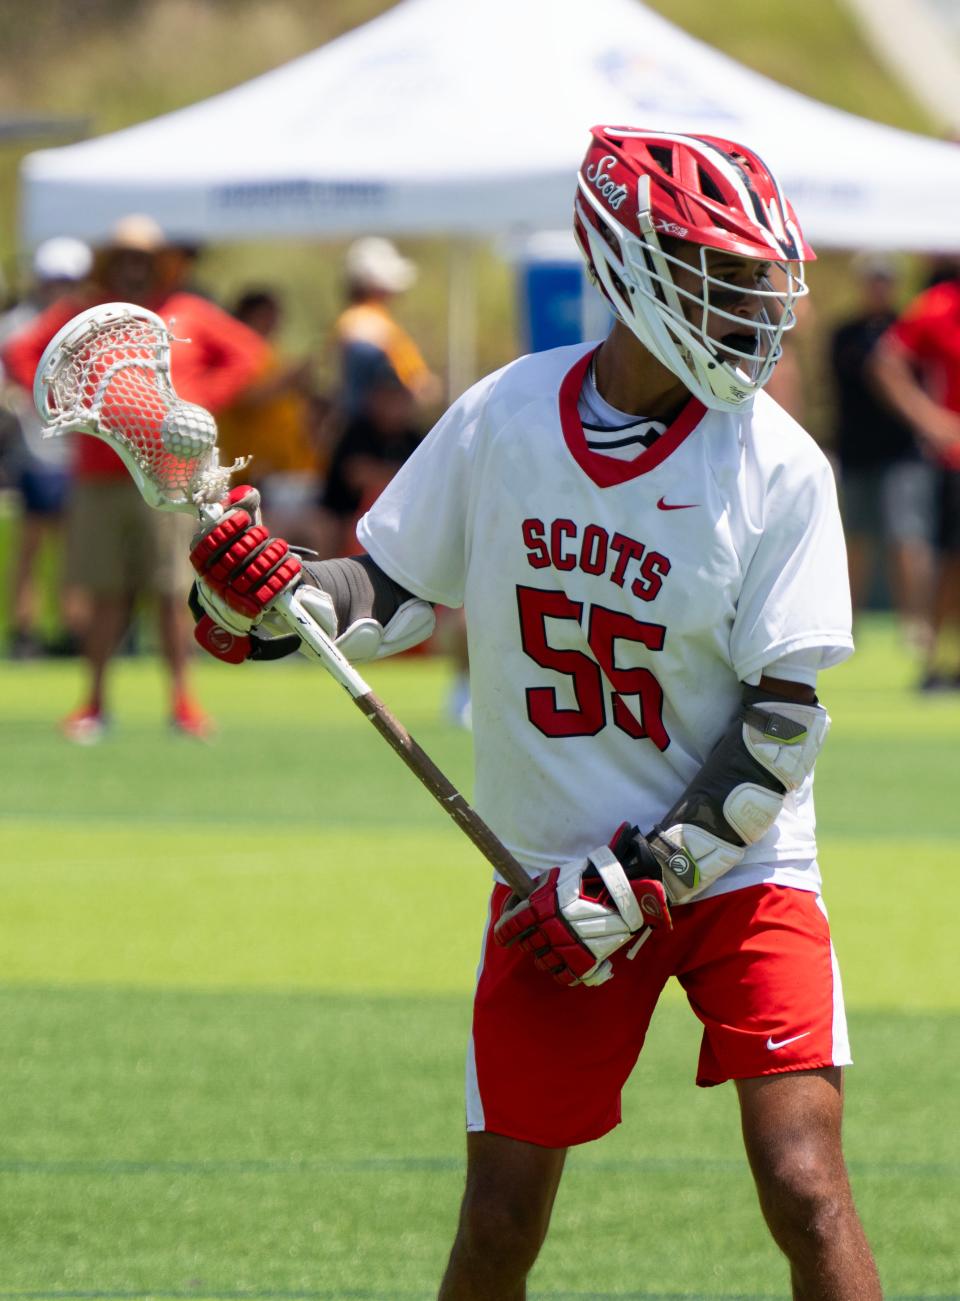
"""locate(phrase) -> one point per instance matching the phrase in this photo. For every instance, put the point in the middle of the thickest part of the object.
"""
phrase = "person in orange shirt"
(118, 547)
(272, 422)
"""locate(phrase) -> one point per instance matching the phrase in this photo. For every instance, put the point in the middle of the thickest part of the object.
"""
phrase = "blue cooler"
(557, 303)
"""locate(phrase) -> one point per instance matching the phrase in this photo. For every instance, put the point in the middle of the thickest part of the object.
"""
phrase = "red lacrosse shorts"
(547, 1063)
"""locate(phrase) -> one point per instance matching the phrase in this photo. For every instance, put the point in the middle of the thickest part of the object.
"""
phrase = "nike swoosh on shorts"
(774, 1044)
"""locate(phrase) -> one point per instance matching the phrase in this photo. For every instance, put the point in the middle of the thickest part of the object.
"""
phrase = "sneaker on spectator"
(190, 720)
(85, 726)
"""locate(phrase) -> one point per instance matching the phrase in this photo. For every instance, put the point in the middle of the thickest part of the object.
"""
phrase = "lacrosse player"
(650, 558)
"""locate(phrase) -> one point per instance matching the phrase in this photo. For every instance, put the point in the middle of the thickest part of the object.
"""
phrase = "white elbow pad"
(737, 796)
(789, 753)
(694, 858)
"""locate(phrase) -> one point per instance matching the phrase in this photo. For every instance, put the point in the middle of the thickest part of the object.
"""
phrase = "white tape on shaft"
(336, 664)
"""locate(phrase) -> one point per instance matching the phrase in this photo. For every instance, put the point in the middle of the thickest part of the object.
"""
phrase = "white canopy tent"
(468, 118)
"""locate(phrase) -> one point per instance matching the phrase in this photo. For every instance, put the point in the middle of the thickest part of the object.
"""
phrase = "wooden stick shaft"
(400, 740)
(444, 792)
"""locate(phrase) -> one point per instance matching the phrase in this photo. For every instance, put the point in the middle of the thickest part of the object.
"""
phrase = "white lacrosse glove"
(581, 913)
(242, 570)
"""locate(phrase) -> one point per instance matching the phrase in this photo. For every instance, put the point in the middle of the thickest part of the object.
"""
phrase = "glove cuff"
(367, 639)
(220, 642)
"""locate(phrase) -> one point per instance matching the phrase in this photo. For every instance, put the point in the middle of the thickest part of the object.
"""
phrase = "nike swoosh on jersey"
(662, 505)
(774, 1044)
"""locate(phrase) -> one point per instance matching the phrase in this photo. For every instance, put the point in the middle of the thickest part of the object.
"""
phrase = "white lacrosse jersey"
(614, 607)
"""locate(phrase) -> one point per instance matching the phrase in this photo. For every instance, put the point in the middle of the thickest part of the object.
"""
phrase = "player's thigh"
(792, 1134)
(547, 1062)
(760, 973)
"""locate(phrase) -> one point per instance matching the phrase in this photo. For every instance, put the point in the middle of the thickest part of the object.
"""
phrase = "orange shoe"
(189, 720)
(85, 726)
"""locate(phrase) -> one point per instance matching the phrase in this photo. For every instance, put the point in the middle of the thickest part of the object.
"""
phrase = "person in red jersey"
(916, 366)
(650, 557)
(117, 548)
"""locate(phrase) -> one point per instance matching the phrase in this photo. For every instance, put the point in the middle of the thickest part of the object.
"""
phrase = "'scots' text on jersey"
(563, 545)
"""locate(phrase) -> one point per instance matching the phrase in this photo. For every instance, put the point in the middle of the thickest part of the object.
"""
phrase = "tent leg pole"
(462, 318)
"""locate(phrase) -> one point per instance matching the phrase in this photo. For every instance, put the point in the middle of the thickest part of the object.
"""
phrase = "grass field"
(232, 1045)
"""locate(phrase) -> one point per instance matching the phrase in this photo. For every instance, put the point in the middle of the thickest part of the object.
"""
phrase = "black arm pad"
(358, 587)
(727, 765)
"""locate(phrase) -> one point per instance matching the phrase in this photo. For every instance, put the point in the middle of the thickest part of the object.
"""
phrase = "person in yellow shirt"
(371, 345)
(385, 387)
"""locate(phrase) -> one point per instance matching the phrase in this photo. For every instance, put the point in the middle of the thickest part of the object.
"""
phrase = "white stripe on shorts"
(476, 1121)
(841, 1040)
(475, 1117)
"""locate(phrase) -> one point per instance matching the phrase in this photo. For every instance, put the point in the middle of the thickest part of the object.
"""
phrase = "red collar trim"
(607, 471)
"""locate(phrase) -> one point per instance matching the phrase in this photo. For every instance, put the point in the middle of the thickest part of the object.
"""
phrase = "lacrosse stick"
(107, 373)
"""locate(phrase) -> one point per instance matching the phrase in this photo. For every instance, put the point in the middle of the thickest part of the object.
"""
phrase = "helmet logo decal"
(670, 228)
(604, 183)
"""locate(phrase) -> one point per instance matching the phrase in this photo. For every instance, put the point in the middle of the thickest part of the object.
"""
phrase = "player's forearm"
(767, 751)
(358, 588)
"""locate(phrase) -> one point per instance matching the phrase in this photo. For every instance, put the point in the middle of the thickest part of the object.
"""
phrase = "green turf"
(233, 1050)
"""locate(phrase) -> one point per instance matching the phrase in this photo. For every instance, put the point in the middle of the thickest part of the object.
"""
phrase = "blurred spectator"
(38, 469)
(886, 484)
(371, 344)
(373, 446)
(376, 352)
(940, 268)
(262, 311)
(384, 386)
(177, 268)
(916, 366)
(119, 547)
(273, 422)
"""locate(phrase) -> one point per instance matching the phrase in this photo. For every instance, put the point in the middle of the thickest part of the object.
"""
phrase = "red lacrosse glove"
(241, 571)
(581, 913)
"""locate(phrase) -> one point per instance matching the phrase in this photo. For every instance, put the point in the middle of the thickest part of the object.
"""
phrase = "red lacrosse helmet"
(638, 193)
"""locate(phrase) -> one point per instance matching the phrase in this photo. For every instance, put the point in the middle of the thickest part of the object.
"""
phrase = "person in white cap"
(371, 345)
(37, 468)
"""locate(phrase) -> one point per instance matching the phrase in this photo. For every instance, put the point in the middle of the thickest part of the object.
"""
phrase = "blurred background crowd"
(319, 453)
(329, 409)
(327, 429)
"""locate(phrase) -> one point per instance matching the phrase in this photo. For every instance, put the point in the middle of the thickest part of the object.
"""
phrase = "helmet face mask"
(696, 251)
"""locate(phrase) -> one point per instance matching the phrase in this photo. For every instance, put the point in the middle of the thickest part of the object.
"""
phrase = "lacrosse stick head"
(107, 373)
